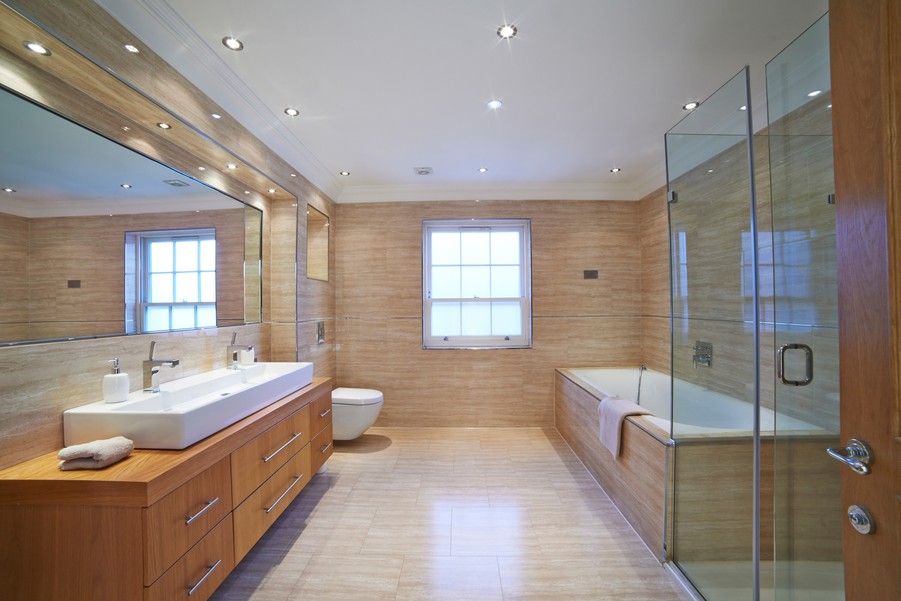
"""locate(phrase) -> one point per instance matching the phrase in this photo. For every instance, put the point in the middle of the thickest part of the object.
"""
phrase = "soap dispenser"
(115, 384)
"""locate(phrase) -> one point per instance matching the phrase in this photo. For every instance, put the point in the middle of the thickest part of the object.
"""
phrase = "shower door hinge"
(672, 197)
(830, 198)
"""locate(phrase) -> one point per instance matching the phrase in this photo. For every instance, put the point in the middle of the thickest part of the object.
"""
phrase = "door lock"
(861, 519)
(857, 455)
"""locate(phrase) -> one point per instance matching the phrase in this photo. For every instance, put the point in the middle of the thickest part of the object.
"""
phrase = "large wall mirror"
(97, 239)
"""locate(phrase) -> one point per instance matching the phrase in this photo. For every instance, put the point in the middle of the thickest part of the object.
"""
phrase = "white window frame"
(143, 240)
(523, 226)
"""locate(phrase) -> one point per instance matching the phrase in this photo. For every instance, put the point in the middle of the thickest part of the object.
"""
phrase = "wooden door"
(865, 52)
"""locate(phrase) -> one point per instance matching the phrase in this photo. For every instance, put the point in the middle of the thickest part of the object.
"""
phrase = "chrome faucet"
(152, 369)
(703, 354)
(232, 350)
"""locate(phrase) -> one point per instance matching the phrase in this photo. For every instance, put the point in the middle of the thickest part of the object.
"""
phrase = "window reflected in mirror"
(317, 244)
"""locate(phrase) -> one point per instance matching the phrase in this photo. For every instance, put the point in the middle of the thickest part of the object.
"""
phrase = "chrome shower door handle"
(808, 364)
(856, 455)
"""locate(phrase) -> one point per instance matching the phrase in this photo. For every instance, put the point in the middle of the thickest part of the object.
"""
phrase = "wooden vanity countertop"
(147, 474)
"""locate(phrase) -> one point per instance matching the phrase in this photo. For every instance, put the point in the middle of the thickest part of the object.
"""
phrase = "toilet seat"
(356, 396)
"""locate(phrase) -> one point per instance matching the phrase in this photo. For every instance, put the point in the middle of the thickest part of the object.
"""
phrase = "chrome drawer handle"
(324, 413)
(281, 448)
(325, 448)
(282, 496)
(191, 589)
(206, 507)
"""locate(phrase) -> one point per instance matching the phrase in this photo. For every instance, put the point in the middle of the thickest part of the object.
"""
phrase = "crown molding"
(443, 192)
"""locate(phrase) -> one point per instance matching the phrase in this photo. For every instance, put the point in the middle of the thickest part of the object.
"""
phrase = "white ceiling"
(389, 85)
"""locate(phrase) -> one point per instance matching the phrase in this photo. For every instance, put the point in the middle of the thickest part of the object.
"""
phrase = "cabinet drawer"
(320, 413)
(174, 523)
(202, 569)
(257, 460)
(321, 448)
(255, 515)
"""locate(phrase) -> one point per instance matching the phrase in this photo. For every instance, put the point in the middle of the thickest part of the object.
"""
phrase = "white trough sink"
(188, 409)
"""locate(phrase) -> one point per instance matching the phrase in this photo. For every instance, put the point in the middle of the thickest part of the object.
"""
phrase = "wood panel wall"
(576, 321)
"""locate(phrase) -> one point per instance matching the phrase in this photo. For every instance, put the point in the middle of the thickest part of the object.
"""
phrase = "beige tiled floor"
(409, 514)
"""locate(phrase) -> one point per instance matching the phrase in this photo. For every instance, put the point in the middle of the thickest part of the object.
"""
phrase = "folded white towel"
(95, 454)
(612, 411)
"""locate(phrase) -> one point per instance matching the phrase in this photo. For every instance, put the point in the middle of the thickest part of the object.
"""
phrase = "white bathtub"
(698, 410)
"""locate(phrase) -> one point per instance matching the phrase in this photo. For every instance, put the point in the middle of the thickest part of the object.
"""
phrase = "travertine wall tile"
(576, 322)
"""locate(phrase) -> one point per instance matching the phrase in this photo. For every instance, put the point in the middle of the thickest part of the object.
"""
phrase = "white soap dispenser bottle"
(115, 384)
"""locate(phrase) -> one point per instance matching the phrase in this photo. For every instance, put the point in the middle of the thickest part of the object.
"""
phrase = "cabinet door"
(320, 413)
(257, 460)
(174, 523)
(255, 515)
(321, 448)
(200, 571)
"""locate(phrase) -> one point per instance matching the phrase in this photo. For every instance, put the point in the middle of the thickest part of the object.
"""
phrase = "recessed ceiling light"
(710, 171)
(215, 115)
(495, 104)
(10, 190)
(293, 174)
(344, 173)
(37, 48)
(201, 169)
(246, 191)
(814, 93)
(743, 108)
(132, 48)
(232, 43)
(126, 128)
(164, 126)
(690, 106)
(483, 169)
(231, 166)
(126, 186)
(506, 31)
(292, 112)
(272, 190)
(615, 170)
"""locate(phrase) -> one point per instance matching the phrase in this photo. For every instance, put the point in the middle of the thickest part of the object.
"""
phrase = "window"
(476, 290)
(176, 283)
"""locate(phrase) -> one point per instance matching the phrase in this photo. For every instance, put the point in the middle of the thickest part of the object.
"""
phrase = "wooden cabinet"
(159, 523)
(176, 522)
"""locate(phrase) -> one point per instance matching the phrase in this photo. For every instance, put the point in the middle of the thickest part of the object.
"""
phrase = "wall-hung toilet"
(354, 410)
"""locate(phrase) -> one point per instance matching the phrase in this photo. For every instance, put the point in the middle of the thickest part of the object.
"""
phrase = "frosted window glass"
(160, 256)
(208, 287)
(156, 319)
(445, 282)
(445, 319)
(505, 248)
(186, 288)
(182, 317)
(476, 282)
(506, 319)
(445, 248)
(475, 248)
(208, 255)
(505, 282)
(186, 255)
(161, 288)
(476, 319)
(206, 317)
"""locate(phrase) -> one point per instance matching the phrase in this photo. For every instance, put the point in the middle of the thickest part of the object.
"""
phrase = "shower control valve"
(703, 354)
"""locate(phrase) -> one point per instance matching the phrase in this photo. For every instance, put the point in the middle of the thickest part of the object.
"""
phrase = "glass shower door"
(800, 306)
(715, 345)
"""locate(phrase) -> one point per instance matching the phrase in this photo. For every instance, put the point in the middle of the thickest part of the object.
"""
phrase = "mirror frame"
(75, 85)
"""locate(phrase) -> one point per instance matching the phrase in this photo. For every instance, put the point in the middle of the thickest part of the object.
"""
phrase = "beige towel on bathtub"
(613, 410)
(95, 454)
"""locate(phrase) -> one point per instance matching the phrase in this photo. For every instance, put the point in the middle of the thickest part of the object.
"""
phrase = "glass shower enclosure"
(754, 498)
